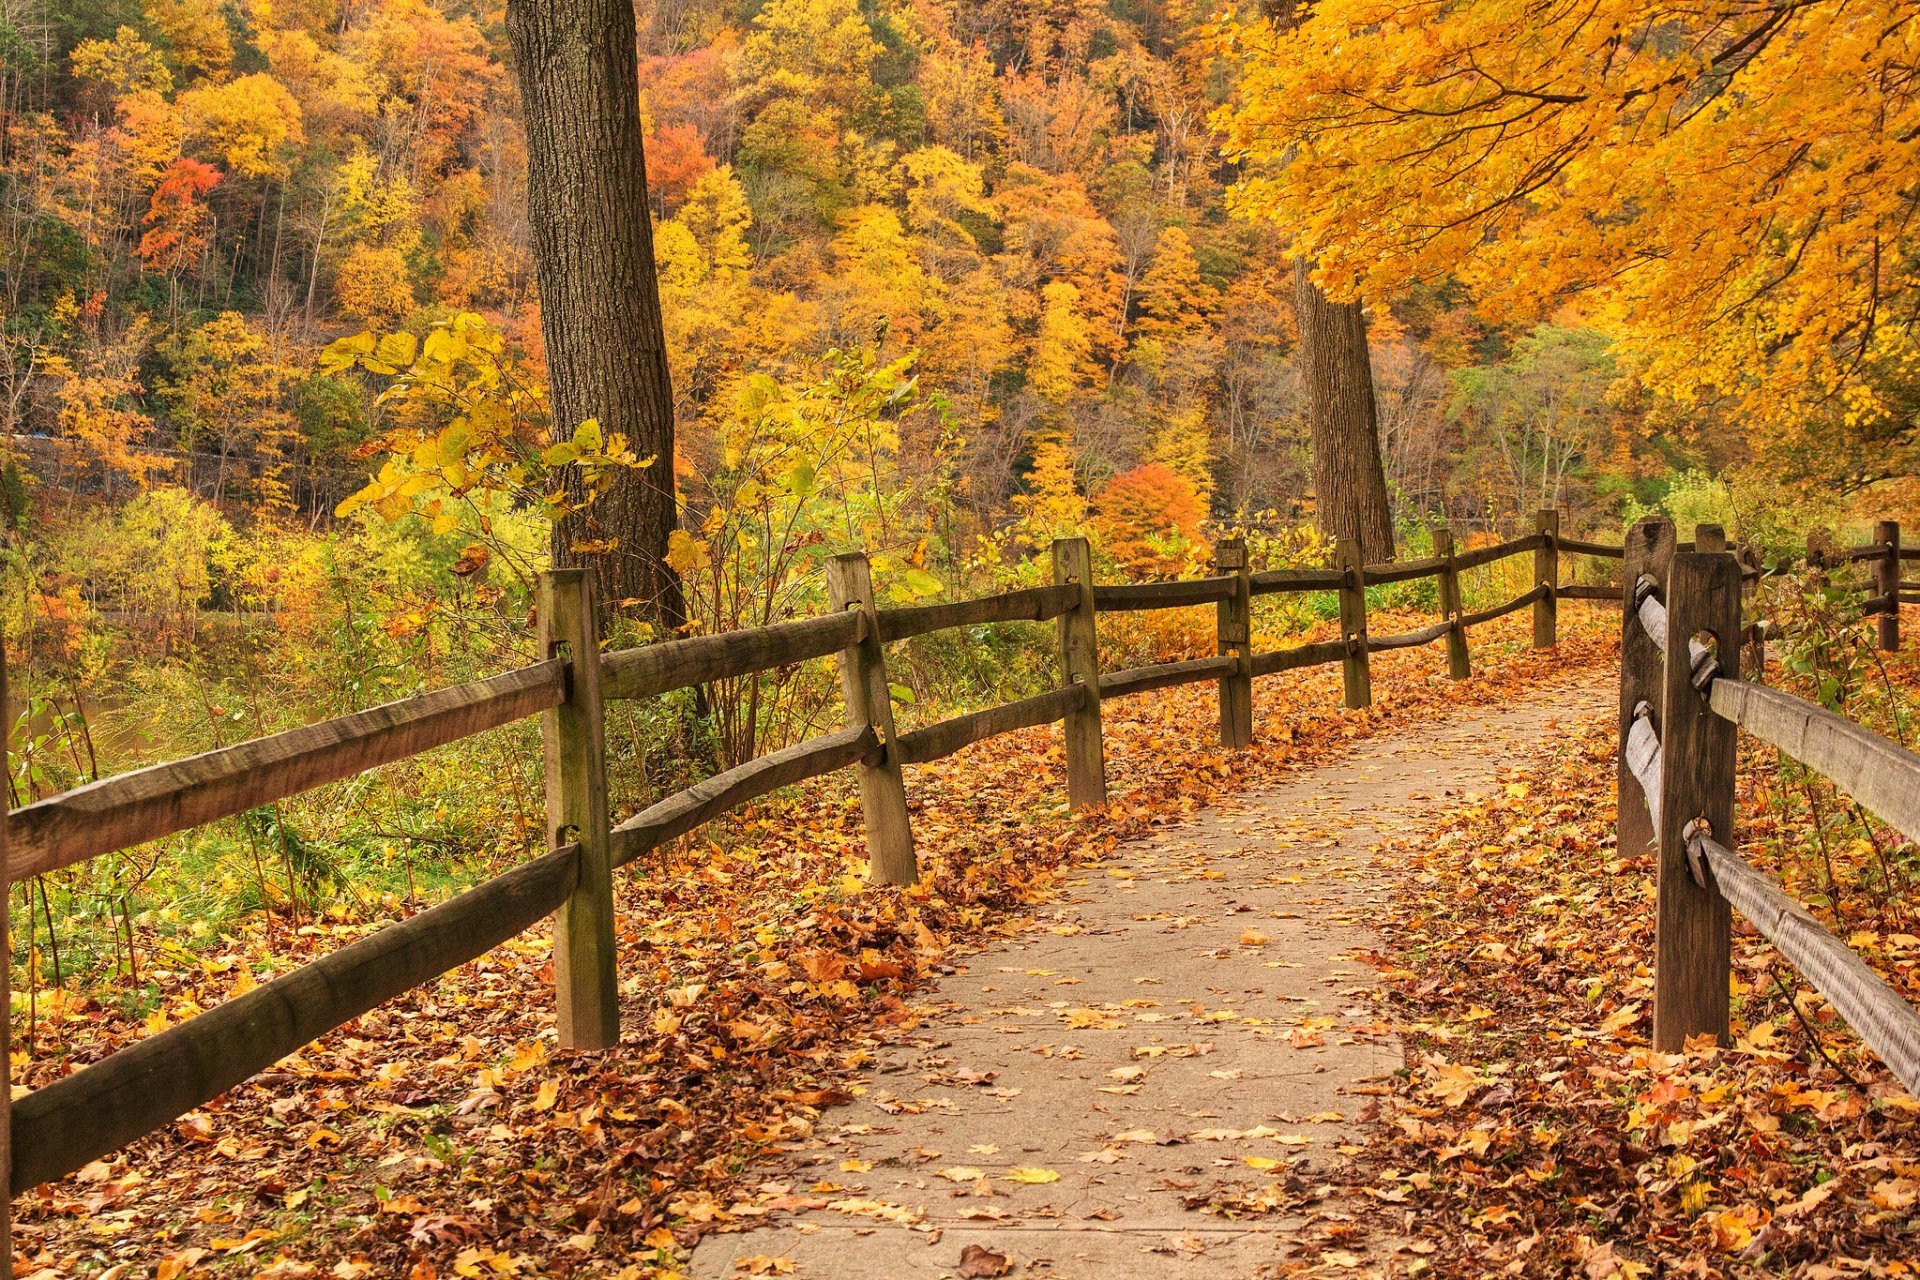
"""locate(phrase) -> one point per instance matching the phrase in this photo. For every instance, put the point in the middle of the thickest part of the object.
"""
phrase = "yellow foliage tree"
(1060, 365)
(250, 124)
(1052, 504)
(1726, 188)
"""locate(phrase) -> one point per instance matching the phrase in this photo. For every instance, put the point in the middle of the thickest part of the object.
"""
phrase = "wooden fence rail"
(1682, 760)
(56, 1129)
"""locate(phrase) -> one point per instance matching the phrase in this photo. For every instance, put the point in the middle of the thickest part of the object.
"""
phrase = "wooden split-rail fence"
(55, 1130)
(1682, 698)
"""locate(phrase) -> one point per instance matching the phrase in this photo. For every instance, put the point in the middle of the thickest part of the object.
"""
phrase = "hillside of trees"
(1024, 201)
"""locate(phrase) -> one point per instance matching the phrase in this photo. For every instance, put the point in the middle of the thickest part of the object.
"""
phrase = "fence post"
(1649, 551)
(1459, 662)
(1886, 573)
(1546, 573)
(1080, 664)
(574, 734)
(1235, 619)
(1697, 751)
(1753, 660)
(863, 683)
(1355, 671)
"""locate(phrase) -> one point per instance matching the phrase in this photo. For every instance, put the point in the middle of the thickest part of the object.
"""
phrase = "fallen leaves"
(759, 971)
(1538, 1135)
(1031, 1176)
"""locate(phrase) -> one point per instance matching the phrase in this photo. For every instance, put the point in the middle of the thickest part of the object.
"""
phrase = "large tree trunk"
(1348, 479)
(599, 299)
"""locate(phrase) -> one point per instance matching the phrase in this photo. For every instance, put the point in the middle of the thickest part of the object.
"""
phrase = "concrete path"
(1166, 1076)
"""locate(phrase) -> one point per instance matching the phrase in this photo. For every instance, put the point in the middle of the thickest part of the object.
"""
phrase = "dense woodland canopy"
(1025, 202)
(939, 280)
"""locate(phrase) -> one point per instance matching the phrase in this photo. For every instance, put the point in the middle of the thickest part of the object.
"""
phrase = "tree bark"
(599, 298)
(1348, 478)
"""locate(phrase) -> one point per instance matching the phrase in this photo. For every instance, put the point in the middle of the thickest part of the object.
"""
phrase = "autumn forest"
(328, 326)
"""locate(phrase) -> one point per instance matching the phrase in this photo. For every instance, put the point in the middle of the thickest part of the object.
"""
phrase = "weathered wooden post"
(574, 734)
(863, 683)
(1697, 750)
(1235, 637)
(1355, 670)
(1886, 582)
(1753, 658)
(1709, 537)
(1546, 573)
(1459, 661)
(1080, 664)
(1649, 552)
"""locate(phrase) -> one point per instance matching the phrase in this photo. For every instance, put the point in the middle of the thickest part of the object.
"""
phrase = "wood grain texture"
(1886, 582)
(1459, 660)
(1649, 550)
(1514, 605)
(684, 811)
(1318, 654)
(1879, 773)
(1233, 634)
(1032, 604)
(146, 804)
(1356, 675)
(1409, 639)
(1576, 547)
(1080, 666)
(1404, 570)
(1546, 578)
(937, 741)
(1479, 556)
(1641, 755)
(1277, 581)
(574, 737)
(679, 664)
(1584, 591)
(1888, 1024)
(869, 702)
(1693, 940)
(97, 1110)
(1134, 596)
(1165, 675)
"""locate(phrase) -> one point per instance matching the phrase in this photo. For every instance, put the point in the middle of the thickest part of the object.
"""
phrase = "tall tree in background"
(599, 299)
(1349, 482)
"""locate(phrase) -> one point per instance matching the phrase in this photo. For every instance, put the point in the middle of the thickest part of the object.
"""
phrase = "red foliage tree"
(177, 218)
(1149, 520)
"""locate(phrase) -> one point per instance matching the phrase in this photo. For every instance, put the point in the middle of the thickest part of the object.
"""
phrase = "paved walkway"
(1158, 1079)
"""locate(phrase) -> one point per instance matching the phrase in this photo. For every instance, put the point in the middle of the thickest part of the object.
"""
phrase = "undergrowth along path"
(1170, 1071)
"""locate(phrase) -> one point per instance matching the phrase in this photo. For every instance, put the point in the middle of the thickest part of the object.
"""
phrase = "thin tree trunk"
(599, 300)
(1348, 479)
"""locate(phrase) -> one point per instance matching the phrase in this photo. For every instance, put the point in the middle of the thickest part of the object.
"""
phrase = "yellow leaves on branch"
(465, 425)
(1727, 188)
